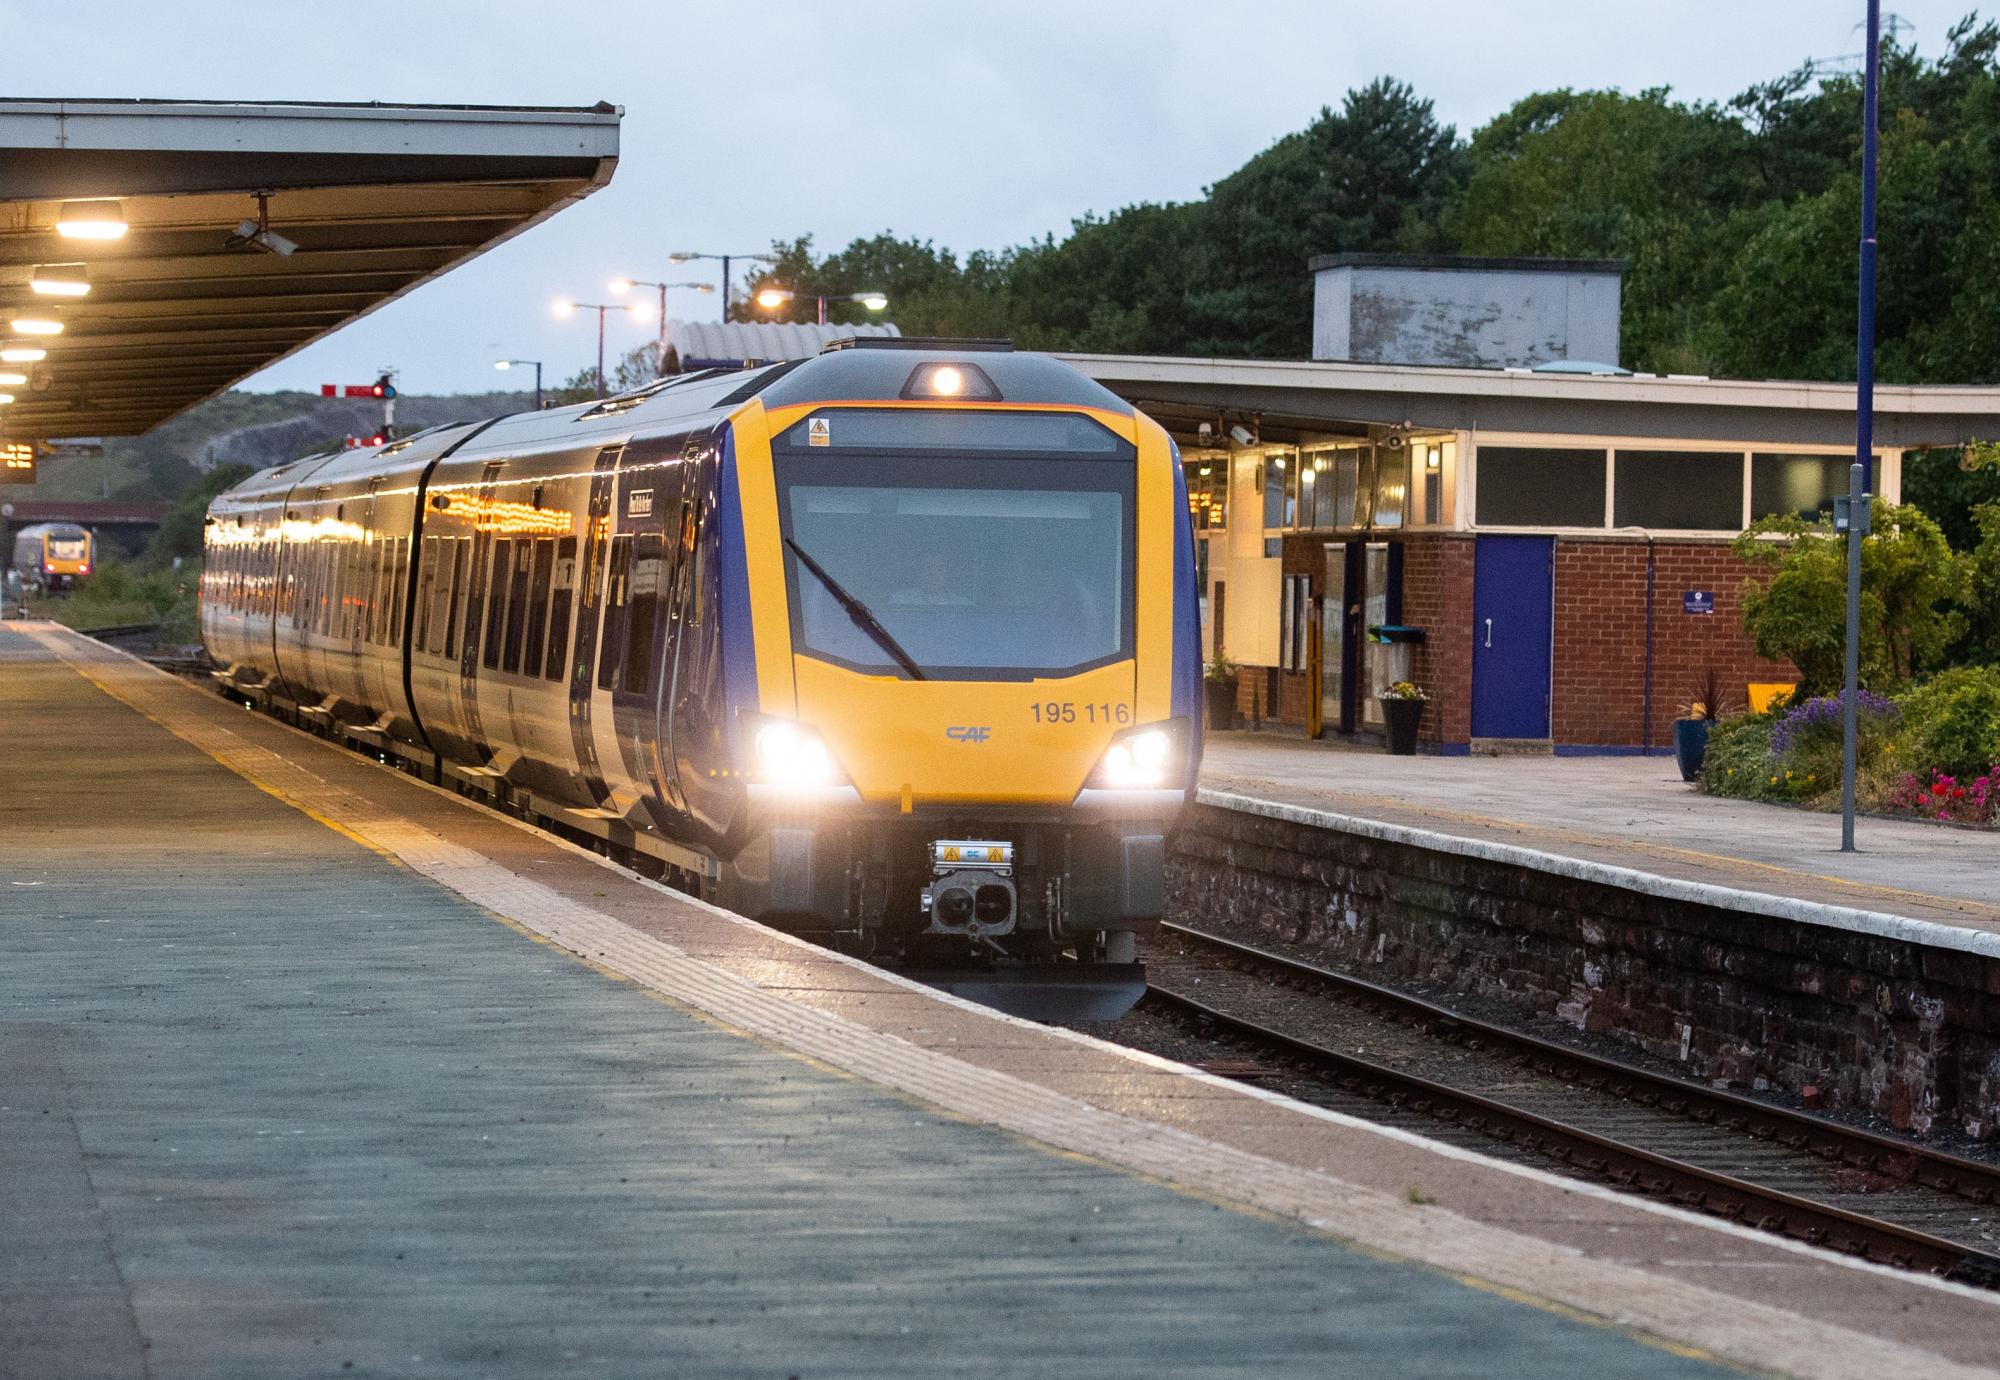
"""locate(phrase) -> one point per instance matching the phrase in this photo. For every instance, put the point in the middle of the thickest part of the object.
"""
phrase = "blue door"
(1513, 629)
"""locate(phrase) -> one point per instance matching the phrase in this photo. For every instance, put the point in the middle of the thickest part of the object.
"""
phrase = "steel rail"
(1626, 1165)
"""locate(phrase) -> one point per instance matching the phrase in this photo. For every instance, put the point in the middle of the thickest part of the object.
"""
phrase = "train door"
(633, 654)
(593, 580)
(479, 581)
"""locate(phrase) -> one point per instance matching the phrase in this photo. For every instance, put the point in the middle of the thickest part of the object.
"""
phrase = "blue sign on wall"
(1698, 601)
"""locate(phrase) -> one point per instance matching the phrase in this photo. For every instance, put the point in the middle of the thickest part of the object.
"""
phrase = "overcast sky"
(978, 126)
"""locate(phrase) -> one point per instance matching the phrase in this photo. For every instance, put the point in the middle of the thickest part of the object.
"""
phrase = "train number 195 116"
(1069, 712)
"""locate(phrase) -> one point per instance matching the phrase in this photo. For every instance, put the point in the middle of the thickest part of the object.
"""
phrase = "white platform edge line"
(1882, 924)
(1626, 1295)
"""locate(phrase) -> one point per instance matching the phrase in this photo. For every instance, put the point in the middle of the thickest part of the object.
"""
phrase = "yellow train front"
(53, 555)
(970, 588)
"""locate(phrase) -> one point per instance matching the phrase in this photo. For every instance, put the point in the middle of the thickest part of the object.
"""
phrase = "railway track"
(1704, 1148)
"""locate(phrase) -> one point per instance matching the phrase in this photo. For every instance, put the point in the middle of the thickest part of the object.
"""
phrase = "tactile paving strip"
(1679, 1314)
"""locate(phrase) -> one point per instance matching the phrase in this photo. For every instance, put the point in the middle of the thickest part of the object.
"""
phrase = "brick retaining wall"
(1907, 1029)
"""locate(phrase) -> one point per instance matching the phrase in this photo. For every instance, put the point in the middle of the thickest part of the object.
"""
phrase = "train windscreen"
(986, 568)
(68, 548)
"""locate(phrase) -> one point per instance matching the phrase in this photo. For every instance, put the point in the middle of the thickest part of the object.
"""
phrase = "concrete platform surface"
(1631, 812)
(308, 1068)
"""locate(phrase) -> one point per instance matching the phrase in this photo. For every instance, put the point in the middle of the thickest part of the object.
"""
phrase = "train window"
(452, 584)
(534, 642)
(649, 583)
(517, 602)
(616, 581)
(399, 576)
(427, 578)
(559, 608)
(688, 575)
(497, 572)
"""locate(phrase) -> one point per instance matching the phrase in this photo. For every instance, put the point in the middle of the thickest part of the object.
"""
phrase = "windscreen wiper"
(863, 617)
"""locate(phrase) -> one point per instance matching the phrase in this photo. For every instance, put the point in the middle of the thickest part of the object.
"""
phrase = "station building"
(1540, 541)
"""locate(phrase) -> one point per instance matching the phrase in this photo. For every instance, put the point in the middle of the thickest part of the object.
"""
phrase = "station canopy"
(251, 230)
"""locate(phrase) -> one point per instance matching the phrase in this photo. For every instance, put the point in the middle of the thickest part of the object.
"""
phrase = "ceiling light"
(92, 220)
(60, 280)
(36, 325)
(22, 354)
(6, 398)
(9, 378)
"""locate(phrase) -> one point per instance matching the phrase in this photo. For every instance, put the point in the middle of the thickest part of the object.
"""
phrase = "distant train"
(896, 645)
(53, 555)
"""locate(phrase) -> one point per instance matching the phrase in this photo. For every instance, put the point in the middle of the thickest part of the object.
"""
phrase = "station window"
(1678, 490)
(1540, 486)
(1805, 485)
(1429, 464)
(1392, 485)
(1208, 492)
(1281, 489)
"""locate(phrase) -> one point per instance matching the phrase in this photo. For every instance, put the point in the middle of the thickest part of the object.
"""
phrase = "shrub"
(1909, 582)
(1951, 723)
(1738, 761)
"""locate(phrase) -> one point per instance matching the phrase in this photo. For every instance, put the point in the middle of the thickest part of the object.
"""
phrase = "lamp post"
(621, 286)
(770, 299)
(564, 307)
(1860, 473)
(504, 364)
(688, 256)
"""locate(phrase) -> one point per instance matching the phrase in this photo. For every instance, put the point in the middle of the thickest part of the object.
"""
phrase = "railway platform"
(309, 1068)
(1627, 812)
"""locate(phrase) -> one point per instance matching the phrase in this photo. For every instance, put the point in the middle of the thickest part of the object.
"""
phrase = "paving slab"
(1632, 812)
(334, 1102)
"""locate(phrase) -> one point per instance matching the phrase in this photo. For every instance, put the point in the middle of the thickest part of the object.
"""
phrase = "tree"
(1910, 584)
(1603, 175)
(180, 531)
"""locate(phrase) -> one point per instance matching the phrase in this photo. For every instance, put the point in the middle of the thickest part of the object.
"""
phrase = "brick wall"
(1599, 693)
(1437, 597)
(1908, 1031)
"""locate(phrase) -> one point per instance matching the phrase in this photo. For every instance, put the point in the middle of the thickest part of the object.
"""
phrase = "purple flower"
(1824, 714)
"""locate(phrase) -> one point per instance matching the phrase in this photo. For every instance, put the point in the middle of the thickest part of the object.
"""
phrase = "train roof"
(859, 370)
(52, 529)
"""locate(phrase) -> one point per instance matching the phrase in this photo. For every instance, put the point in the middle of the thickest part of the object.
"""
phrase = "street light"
(688, 256)
(564, 307)
(505, 364)
(770, 299)
(621, 286)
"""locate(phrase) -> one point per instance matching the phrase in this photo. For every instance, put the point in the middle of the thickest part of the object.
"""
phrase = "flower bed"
(1932, 753)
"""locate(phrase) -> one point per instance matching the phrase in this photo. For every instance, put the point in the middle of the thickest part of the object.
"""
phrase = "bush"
(1738, 762)
(1941, 796)
(1951, 723)
(1910, 580)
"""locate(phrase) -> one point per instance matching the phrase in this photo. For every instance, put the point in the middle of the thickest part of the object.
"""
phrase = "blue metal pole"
(1861, 475)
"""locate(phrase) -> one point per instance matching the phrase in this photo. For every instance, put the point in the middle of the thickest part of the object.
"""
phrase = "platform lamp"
(504, 364)
(688, 256)
(770, 299)
(621, 286)
(564, 307)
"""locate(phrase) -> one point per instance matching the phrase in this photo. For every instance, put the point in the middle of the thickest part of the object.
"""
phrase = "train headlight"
(790, 754)
(1144, 758)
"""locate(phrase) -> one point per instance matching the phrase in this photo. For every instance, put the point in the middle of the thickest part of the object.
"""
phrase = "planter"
(1690, 746)
(1221, 697)
(1402, 718)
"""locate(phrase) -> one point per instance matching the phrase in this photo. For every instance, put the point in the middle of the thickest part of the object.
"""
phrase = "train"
(53, 555)
(895, 647)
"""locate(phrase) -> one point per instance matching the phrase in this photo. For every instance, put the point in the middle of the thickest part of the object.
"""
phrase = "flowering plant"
(1946, 797)
(1405, 690)
(1822, 716)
